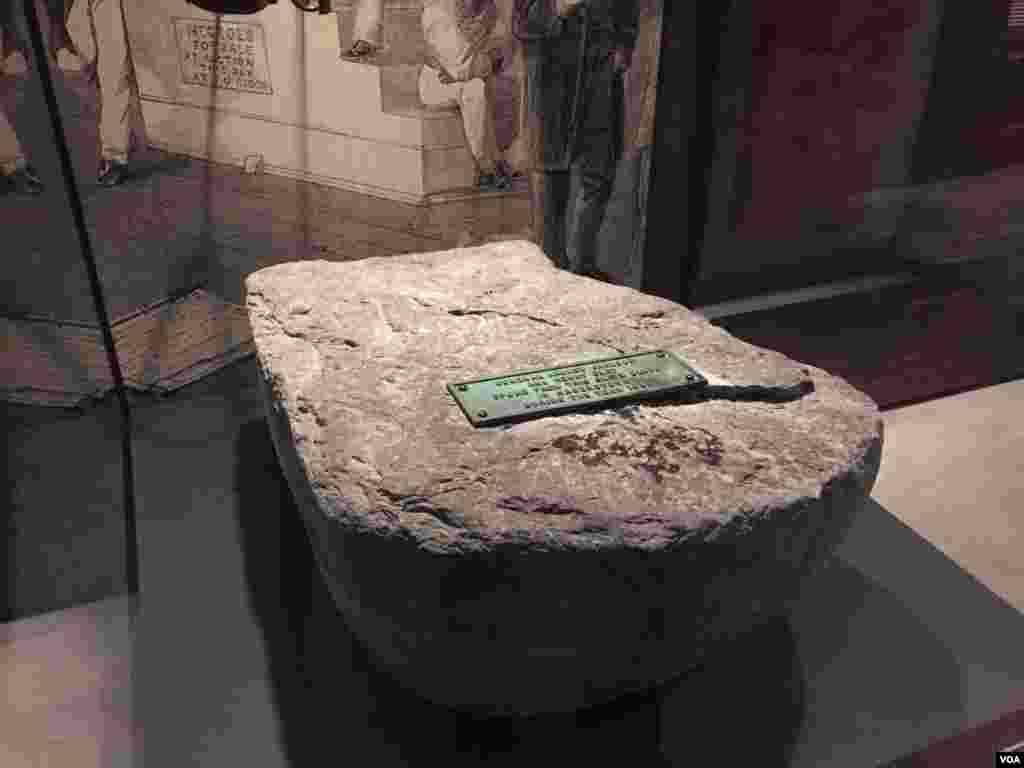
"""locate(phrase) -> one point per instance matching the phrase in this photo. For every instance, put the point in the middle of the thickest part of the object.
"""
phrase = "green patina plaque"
(524, 394)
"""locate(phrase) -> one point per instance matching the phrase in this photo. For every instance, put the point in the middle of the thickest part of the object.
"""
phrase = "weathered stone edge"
(595, 532)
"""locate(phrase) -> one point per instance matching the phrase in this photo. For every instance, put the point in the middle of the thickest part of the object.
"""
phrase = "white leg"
(368, 21)
(433, 93)
(478, 120)
(12, 156)
(80, 30)
(114, 71)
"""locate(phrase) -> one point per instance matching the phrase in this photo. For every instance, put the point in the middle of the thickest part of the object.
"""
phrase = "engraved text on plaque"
(565, 388)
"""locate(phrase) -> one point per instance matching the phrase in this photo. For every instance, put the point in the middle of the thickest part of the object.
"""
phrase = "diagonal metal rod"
(75, 200)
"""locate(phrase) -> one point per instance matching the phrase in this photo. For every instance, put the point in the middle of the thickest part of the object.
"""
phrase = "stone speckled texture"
(557, 562)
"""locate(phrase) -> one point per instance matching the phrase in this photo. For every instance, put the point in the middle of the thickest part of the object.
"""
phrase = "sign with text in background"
(223, 54)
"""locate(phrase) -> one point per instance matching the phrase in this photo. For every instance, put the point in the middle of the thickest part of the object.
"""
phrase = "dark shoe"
(111, 173)
(31, 176)
(504, 175)
(493, 182)
(361, 49)
(25, 180)
(502, 181)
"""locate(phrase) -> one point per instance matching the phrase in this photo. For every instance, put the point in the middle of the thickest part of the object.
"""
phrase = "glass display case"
(838, 182)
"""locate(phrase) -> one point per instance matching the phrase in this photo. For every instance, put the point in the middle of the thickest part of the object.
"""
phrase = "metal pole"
(75, 201)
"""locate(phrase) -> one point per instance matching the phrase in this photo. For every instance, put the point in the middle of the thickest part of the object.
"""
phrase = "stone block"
(562, 561)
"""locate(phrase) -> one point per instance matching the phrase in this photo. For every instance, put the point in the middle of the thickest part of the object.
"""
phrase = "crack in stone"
(423, 505)
(538, 505)
(738, 393)
(641, 321)
(603, 343)
(272, 316)
(465, 312)
(301, 335)
(758, 467)
(280, 326)
(759, 392)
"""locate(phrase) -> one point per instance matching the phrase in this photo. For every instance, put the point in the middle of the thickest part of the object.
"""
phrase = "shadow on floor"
(61, 507)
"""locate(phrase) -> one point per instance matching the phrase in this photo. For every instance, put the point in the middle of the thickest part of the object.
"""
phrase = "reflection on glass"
(212, 138)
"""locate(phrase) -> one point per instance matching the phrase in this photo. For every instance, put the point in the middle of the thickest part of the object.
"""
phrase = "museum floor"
(911, 634)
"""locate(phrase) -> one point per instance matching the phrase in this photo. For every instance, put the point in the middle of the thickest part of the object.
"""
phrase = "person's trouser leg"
(586, 215)
(15, 150)
(12, 156)
(114, 72)
(109, 48)
(477, 109)
(368, 21)
(595, 167)
(473, 102)
(549, 196)
(434, 93)
(79, 27)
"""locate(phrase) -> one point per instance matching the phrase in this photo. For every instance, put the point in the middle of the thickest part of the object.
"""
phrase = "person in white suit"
(17, 175)
(464, 54)
(97, 31)
(366, 33)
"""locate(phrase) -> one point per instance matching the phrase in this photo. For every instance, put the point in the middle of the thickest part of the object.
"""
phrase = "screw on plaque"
(481, 414)
(661, 354)
(462, 387)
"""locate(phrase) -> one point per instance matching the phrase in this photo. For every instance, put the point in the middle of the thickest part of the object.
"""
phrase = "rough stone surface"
(556, 562)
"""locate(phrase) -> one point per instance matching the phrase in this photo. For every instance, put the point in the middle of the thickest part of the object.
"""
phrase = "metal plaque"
(568, 387)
